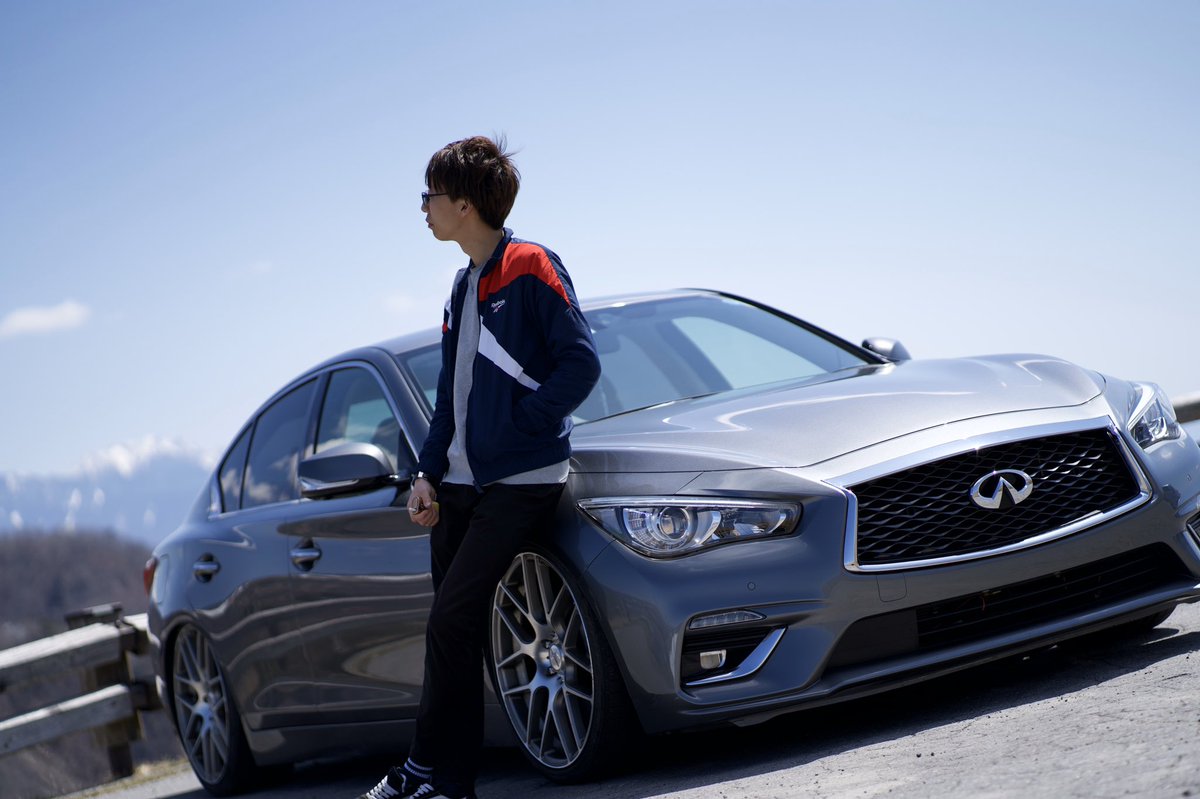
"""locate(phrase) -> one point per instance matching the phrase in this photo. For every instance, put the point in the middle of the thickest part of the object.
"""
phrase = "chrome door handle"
(205, 568)
(305, 556)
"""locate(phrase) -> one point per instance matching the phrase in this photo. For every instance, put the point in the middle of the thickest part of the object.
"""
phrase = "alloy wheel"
(202, 706)
(543, 661)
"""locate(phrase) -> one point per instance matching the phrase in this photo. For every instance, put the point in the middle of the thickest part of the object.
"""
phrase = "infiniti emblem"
(992, 490)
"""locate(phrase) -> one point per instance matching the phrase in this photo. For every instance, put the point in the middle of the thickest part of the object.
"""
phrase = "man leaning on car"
(517, 359)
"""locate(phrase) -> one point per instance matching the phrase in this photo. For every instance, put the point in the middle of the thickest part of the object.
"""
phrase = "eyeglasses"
(425, 195)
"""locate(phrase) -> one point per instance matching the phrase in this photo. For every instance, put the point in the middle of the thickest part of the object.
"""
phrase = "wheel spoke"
(187, 653)
(516, 686)
(587, 667)
(542, 569)
(530, 583)
(514, 629)
(563, 596)
(219, 735)
(567, 740)
(192, 726)
(536, 700)
(578, 726)
(516, 690)
(575, 692)
(209, 754)
(547, 725)
(194, 749)
(575, 643)
(515, 656)
(515, 598)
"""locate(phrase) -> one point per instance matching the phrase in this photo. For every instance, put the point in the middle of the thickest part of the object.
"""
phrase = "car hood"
(800, 423)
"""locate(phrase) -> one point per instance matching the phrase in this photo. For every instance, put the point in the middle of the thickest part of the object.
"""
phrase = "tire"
(209, 725)
(554, 672)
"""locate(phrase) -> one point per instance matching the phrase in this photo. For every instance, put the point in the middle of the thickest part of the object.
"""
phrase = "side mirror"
(888, 348)
(346, 469)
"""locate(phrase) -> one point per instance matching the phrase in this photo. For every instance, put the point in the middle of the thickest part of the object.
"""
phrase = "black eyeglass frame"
(425, 195)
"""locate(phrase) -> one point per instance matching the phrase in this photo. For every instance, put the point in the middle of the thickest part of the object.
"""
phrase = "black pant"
(477, 535)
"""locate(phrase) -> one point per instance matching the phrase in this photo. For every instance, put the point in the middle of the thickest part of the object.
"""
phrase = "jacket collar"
(497, 253)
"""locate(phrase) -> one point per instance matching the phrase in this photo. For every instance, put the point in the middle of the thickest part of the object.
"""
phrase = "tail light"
(148, 574)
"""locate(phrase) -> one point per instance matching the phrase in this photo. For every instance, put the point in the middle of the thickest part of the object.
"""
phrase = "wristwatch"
(421, 476)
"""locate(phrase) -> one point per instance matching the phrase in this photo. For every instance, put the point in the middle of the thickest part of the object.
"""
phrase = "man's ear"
(465, 207)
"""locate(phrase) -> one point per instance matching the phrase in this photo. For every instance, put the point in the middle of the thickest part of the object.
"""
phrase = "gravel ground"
(1096, 718)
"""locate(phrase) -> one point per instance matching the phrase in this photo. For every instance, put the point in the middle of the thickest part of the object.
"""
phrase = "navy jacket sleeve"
(567, 336)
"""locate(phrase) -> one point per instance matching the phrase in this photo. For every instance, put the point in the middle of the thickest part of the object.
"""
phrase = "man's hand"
(422, 503)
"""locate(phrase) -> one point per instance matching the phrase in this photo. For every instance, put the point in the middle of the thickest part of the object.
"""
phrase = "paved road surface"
(1091, 719)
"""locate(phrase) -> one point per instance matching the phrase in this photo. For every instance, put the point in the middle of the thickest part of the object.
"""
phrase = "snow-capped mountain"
(140, 491)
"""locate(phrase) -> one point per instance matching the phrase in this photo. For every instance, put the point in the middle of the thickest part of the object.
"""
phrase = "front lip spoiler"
(890, 675)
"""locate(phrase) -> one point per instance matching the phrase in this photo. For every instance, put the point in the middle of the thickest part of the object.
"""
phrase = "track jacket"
(536, 363)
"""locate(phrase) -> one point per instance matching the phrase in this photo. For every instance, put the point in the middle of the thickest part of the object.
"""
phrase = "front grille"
(926, 512)
(1012, 607)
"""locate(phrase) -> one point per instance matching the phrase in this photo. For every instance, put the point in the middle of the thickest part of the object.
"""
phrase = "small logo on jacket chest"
(497, 305)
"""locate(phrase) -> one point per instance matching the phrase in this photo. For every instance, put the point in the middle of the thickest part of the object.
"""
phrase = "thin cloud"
(128, 457)
(67, 315)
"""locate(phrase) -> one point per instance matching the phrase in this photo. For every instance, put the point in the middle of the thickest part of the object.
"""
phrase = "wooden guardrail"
(1187, 408)
(101, 644)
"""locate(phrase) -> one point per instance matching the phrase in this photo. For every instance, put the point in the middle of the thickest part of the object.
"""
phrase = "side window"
(231, 473)
(275, 449)
(355, 409)
(425, 366)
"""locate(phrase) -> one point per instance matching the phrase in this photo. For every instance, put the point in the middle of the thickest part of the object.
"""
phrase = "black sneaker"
(427, 791)
(395, 784)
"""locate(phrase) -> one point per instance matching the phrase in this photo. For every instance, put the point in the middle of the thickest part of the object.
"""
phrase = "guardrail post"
(1187, 409)
(117, 736)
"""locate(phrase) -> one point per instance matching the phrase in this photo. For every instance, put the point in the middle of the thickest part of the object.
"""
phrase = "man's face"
(441, 214)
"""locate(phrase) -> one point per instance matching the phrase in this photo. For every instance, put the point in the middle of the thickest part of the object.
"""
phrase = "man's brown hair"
(478, 170)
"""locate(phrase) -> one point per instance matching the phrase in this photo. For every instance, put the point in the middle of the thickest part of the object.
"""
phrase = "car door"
(360, 567)
(239, 587)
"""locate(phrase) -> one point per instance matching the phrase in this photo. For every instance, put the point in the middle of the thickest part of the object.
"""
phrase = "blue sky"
(198, 200)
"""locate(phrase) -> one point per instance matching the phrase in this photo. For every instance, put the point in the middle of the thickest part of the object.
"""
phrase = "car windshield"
(657, 351)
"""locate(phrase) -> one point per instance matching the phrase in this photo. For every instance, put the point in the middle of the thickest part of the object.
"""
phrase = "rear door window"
(275, 448)
(231, 473)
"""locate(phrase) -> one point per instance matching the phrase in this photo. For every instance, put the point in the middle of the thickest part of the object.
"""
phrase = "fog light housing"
(715, 655)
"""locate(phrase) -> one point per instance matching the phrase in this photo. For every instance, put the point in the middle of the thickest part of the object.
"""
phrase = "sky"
(200, 200)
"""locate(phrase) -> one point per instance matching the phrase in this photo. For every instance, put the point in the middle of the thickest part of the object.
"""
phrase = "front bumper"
(800, 586)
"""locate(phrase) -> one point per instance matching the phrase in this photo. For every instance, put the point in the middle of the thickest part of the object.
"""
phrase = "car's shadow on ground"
(800, 738)
(662, 764)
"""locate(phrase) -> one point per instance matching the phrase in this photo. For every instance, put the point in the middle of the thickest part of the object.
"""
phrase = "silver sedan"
(760, 517)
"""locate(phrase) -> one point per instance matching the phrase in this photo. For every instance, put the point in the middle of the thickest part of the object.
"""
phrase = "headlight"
(667, 526)
(1153, 417)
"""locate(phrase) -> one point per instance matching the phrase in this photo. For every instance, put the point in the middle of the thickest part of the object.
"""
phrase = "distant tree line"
(45, 575)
